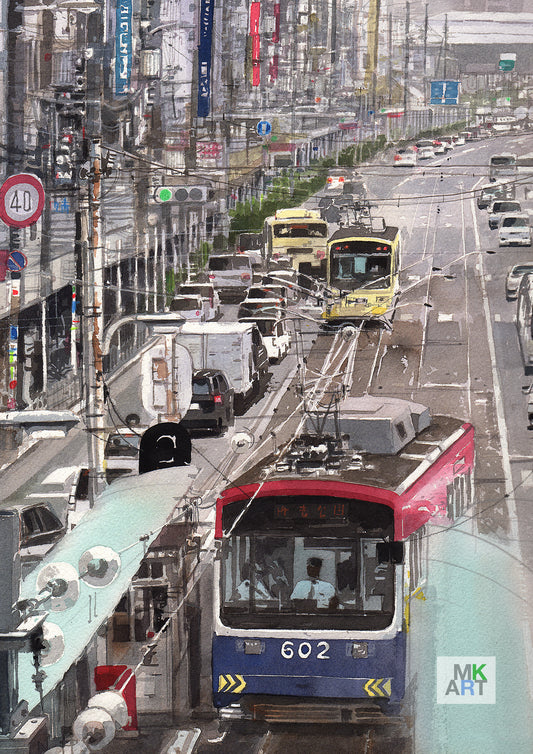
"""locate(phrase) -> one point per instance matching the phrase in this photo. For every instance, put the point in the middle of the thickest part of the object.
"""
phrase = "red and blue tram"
(321, 550)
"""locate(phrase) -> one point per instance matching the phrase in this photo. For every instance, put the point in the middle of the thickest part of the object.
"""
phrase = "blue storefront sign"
(123, 47)
(444, 93)
(204, 57)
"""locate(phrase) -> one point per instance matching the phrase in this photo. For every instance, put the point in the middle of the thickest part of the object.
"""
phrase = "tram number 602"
(304, 650)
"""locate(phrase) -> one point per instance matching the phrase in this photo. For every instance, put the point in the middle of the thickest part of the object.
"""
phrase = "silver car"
(514, 276)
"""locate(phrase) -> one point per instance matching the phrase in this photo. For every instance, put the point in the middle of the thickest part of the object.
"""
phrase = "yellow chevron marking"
(375, 687)
(221, 682)
(367, 686)
(231, 682)
(387, 687)
(241, 685)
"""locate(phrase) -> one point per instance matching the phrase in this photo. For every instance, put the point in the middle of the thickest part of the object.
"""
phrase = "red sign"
(255, 10)
(119, 678)
(21, 200)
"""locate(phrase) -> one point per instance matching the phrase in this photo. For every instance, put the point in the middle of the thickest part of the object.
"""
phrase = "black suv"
(211, 403)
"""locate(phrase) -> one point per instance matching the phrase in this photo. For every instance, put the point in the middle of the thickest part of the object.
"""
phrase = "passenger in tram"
(243, 590)
(313, 588)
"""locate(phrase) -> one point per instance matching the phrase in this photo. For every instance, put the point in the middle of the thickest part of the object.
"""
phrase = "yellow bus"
(301, 235)
(362, 274)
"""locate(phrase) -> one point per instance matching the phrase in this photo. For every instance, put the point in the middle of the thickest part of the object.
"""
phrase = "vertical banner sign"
(123, 47)
(204, 57)
(255, 11)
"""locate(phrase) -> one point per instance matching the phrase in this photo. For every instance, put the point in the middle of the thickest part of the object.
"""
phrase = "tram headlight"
(359, 650)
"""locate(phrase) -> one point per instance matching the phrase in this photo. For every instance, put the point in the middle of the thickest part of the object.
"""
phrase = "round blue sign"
(264, 128)
(16, 261)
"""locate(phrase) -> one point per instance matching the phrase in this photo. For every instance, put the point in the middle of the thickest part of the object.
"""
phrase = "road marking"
(497, 317)
(60, 476)
(441, 317)
(184, 742)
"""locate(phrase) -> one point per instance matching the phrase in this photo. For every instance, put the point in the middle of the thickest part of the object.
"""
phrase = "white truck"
(236, 348)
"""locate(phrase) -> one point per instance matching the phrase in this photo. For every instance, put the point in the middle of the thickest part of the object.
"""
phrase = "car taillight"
(245, 276)
(341, 180)
(397, 157)
(330, 180)
(197, 313)
(218, 399)
(211, 277)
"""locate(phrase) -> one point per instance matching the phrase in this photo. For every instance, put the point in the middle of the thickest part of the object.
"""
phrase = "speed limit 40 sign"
(21, 200)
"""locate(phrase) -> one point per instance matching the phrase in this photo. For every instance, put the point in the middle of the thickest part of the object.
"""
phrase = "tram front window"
(310, 581)
(354, 271)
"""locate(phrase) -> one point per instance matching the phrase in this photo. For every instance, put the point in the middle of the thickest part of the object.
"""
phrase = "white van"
(276, 336)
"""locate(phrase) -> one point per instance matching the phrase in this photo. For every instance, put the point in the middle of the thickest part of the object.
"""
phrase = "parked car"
(514, 276)
(501, 207)
(212, 402)
(514, 229)
(405, 158)
(191, 307)
(121, 453)
(40, 529)
(231, 274)
(276, 336)
(209, 294)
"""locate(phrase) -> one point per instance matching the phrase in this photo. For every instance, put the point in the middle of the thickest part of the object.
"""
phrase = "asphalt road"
(453, 348)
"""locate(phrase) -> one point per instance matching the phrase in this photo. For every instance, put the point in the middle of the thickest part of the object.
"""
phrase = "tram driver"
(313, 588)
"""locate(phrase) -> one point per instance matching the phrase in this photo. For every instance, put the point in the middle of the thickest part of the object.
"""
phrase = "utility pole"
(445, 46)
(406, 66)
(390, 58)
(425, 40)
(93, 319)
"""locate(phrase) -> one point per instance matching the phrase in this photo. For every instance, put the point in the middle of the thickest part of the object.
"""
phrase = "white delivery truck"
(236, 348)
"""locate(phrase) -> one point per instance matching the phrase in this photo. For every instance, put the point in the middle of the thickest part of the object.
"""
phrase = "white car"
(501, 207)
(459, 141)
(514, 229)
(438, 147)
(425, 153)
(514, 276)
(209, 295)
(276, 336)
(121, 452)
(191, 307)
(335, 182)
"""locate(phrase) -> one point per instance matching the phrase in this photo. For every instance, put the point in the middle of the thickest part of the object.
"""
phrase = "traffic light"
(79, 74)
(183, 194)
